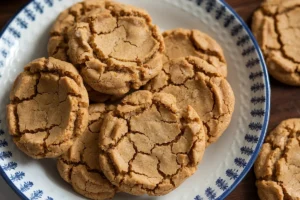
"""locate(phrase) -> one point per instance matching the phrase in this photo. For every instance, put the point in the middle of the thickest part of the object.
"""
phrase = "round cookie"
(276, 27)
(184, 42)
(277, 167)
(148, 146)
(48, 108)
(117, 48)
(80, 165)
(195, 82)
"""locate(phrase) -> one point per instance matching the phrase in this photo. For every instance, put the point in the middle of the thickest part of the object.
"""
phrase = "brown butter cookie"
(80, 165)
(277, 167)
(117, 48)
(48, 108)
(97, 97)
(195, 82)
(184, 42)
(276, 27)
(147, 146)
(58, 42)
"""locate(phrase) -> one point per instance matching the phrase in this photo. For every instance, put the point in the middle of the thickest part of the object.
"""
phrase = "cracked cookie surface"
(48, 108)
(184, 42)
(58, 42)
(195, 82)
(116, 47)
(277, 167)
(147, 146)
(79, 166)
(276, 27)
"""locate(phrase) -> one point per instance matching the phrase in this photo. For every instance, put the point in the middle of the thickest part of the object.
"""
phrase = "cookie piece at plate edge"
(195, 82)
(192, 42)
(48, 108)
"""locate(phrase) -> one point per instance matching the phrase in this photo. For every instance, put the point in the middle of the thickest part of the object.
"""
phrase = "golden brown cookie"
(148, 146)
(58, 42)
(117, 48)
(276, 27)
(277, 167)
(80, 165)
(184, 42)
(98, 97)
(48, 108)
(195, 82)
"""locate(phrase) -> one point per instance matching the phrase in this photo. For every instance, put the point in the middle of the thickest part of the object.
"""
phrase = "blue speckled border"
(233, 23)
(15, 33)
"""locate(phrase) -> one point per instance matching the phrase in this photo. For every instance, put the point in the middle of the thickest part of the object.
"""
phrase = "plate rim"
(267, 103)
(2, 172)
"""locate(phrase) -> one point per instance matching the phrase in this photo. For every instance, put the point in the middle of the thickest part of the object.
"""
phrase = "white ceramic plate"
(225, 163)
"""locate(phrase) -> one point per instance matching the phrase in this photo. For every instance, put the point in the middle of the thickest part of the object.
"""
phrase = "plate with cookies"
(129, 99)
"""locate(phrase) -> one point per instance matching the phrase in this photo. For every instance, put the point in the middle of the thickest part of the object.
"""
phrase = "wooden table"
(285, 101)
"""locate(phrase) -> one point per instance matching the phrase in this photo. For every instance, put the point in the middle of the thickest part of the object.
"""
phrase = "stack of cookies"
(121, 106)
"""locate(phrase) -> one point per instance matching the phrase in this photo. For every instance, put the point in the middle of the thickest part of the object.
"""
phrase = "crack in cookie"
(276, 26)
(117, 48)
(58, 42)
(277, 167)
(148, 146)
(99, 17)
(184, 42)
(80, 165)
(48, 108)
(195, 82)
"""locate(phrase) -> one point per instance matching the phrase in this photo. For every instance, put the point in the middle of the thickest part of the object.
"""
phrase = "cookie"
(58, 42)
(48, 108)
(276, 28)
(147, 146)
(195, 82)
(184, 42)
(277, 167)
(117, 48)
(80, 165)
(98, 97)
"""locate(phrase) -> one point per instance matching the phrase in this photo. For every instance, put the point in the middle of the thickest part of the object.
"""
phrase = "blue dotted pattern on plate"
(243, 40)
(236, 30)
(15, 34)
(221, 12)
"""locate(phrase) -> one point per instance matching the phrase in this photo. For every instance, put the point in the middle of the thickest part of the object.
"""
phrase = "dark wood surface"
(285, 101)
